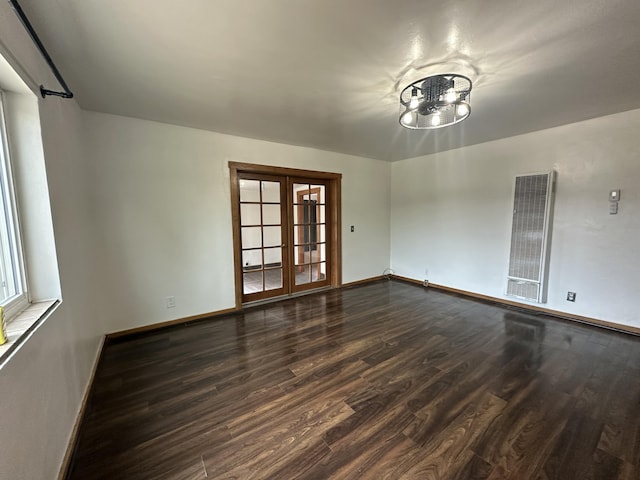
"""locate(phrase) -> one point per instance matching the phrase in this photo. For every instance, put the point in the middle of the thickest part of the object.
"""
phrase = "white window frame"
(14, 258)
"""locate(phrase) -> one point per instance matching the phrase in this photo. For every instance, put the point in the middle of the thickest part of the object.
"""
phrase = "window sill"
(23, 325)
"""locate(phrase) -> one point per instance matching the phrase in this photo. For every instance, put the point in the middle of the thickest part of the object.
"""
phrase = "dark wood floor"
(386, 380)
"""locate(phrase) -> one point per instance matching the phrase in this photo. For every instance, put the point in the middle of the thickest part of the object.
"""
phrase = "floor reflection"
(253, 279)
(525, 337)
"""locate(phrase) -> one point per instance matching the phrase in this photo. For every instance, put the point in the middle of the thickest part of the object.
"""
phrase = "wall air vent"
(530, 236)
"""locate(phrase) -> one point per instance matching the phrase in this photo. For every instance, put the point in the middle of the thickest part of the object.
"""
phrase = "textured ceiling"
(327, 73)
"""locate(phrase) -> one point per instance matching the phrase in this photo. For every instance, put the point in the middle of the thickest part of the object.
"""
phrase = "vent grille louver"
(530, 235)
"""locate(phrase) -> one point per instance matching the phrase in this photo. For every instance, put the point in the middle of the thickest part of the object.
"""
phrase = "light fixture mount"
(435, 101)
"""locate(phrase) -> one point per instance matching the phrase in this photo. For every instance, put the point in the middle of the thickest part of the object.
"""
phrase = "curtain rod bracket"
(44, 92)
(43, 51)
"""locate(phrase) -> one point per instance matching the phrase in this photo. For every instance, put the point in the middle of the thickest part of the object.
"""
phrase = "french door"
(284, 230)
(263, 233)
(308, 219)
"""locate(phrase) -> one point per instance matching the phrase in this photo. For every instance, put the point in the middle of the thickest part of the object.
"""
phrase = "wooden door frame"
(333, 212)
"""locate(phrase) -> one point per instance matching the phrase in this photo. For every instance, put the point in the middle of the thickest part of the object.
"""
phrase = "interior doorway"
(286, 225)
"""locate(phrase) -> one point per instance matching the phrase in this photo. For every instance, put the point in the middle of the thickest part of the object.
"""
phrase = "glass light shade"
(407, 118)
(450, 96)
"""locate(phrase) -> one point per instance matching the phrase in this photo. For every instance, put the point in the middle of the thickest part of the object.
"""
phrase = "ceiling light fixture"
(435, 102)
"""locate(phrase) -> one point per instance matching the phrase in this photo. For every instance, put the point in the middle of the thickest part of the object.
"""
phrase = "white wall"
(43, 384)
(163, 203)
(41, 387)
(451, 215)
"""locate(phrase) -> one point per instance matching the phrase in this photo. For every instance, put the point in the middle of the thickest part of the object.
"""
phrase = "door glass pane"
(322, 228)
(319, 193)
(251, 258)
(249, 190)
(272, 257)
(273, 278)
(312, 238)
(251, 237)
(309, 212)
(249, 214)
(271, 214)
(302, 275)
(297, 215)
(271, 192)
(322, 252)
(318, 272)
(314, 255)
(301, 257)
(303, 234)
(252, 282)
(272, 236)
(300, 192)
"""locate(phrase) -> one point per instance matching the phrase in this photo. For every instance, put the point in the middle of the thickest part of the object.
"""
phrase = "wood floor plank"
(381, 381)
(256, 453)
(447, 454)
(353, 449)
(520, 439)
(621, 431)
(580, 435)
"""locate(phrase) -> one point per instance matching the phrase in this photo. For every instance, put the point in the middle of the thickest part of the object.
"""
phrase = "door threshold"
(285, 297)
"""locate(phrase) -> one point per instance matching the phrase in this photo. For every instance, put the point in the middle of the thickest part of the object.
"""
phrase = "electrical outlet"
(171, 302)
(571, 296)
(353, 228)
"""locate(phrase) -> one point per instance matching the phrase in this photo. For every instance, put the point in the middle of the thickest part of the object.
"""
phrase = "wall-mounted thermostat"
(614, 195)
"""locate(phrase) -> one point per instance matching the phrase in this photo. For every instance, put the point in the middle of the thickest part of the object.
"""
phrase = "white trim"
(73, 437)
(23, 326)
(20, 300)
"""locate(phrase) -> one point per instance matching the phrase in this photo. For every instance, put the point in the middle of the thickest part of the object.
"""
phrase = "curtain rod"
(34, 36)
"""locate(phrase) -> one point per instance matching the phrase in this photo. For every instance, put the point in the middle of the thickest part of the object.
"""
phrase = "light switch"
(614, 195)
